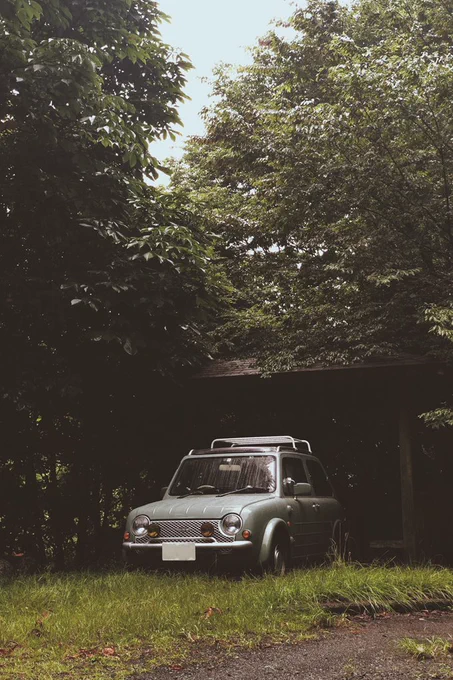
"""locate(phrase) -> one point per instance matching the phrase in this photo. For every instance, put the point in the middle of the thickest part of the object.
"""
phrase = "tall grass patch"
(430, 648)
(108, 621)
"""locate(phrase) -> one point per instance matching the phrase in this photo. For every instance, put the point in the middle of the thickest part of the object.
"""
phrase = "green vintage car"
(248, 502)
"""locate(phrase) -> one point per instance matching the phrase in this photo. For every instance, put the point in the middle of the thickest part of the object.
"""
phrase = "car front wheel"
(131, 561)
(278, 561)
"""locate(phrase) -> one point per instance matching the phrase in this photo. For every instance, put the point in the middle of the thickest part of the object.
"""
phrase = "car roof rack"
(290, 442)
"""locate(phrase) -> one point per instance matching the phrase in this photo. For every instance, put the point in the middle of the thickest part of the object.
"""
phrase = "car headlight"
(231, 525)
(140, 525)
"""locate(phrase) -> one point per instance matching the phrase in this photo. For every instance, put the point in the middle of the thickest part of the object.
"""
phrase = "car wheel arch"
(277, 527)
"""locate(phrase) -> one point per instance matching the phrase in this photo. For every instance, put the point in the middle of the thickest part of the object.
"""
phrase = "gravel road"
(365, 648)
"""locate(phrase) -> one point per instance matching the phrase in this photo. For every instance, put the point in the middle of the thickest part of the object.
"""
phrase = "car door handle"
(316, 506)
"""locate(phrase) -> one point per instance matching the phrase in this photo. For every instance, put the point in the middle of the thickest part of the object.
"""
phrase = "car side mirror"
(288, 485)
(302, 489)
(163, 491)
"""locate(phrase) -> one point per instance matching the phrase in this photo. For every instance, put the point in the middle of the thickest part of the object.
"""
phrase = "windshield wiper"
(201, 490)
(249, 487)
(192, 493)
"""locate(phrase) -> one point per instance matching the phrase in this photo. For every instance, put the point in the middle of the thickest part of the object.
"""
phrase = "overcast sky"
(210, 32)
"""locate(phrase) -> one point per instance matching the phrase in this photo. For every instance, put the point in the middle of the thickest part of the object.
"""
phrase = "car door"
(303, 513)
(327, 508)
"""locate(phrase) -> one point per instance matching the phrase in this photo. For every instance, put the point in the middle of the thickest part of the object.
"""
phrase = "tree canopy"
(84, 89)
(105, 280)
(327, 168)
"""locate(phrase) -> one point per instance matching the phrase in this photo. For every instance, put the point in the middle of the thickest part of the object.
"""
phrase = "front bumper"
(209, 547)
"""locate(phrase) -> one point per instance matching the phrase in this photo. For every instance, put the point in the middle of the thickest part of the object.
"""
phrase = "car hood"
(197, 507)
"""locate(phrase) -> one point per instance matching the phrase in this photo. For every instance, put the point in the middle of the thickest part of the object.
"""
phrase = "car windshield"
(248, 474)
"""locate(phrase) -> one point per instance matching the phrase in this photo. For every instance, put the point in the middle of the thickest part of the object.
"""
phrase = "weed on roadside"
(349, 670)
(430, 648)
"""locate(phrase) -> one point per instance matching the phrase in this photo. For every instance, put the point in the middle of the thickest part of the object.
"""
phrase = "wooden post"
(407, 483)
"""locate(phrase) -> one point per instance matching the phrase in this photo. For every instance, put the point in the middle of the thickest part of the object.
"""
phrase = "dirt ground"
(364, 648)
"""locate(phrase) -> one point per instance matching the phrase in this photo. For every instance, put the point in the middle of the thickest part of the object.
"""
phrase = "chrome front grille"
(185, 531)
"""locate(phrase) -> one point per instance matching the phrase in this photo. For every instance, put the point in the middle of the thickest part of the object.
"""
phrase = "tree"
(327, 168)
(104, 277)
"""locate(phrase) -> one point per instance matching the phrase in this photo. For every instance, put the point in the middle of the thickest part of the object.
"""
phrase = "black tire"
(278, 562)
(337, 550)
(130, 560)
(344, 547)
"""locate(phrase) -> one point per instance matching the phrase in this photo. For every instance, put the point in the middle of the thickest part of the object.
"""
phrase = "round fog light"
(207, 529)
(154, 531)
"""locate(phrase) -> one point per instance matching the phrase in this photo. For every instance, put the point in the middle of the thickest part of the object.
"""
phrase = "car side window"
(320, 483)
(293, 473)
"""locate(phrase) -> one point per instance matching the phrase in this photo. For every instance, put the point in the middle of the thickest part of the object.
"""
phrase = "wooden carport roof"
(239, 368)
(232, 370)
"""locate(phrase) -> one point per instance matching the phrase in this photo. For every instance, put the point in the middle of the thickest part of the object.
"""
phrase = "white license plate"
(178, 552)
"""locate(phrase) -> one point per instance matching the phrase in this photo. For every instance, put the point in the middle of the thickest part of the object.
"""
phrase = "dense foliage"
(327, 168)
(104, 280)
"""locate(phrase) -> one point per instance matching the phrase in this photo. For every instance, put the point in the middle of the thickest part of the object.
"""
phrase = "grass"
(101, 626)
(431, 648)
